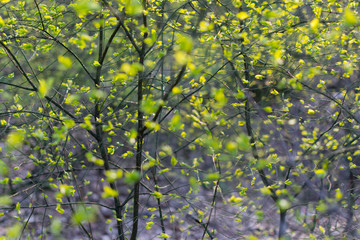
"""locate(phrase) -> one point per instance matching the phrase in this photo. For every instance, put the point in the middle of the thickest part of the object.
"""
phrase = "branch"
(166, 96)
(122, 26)
(18, 86)
(18, 66)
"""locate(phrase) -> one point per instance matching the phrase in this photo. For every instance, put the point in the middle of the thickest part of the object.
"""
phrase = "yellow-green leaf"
(14, 231)
(350, 18)
(5, 200)
(173, 161)
(56, 226)
(44, 87)
(212, 176)
(320, 173)
(84, 214)
(59, 209)
(109, 192)
(133, 7)
(268, 109)
(311, 111)
(242, 15)
(132, 177)
(15, 139)
(65, 61)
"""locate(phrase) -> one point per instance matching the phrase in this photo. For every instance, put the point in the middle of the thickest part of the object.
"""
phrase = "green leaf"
(314, 24)
(176, 90)
(97, 94)
(240, 94)
(232, 147)
(185, 44)
(96, 64)
(133, 7)
(181, 57)
(27, 46)
(84, 7)
(243, 142)
(66, 190)
(152, 125)
(131, 69)
(164, 235)
(5, 200)
(350, 18)
(288, 182)
(212, 176)
(157, 195)
(194, 183)
(265, 191)
(311, 112)
(320, 173)
(150, 106)
(268, 109)
(109, 192)
(87, 123)
(173, 161)
(4, 170)
(113, 175)
(175, 123)
(18, 207)
(15, 139)
(132, 177)
(84, 214)
(69, 123)
(56, 226)
(45, 87)
(220, 98)
(283, 204)
(14, 231)
(59, 209)
(149, 225)
(242, 15)
(65, 61)
(93, 159)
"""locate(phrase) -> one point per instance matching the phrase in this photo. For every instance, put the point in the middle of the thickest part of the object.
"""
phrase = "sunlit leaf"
(113, 175)
(243, 142)
(350, 18)
(133, 7)
(185, 44)
(212, 176)
(65, 61)
(132, 177)
(84, 7)
(27, 46)
(84, 214)
(175, 123)
(314, 24)
(311, 111)
(45, 87)
(109, 192)
(15, 139)
(59, 209)
(220, 98)
(173, 161)
(320, 173)
(14, 231)
(242, 15)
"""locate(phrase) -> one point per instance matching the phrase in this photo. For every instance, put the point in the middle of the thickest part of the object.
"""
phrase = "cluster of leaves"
(168, 118)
